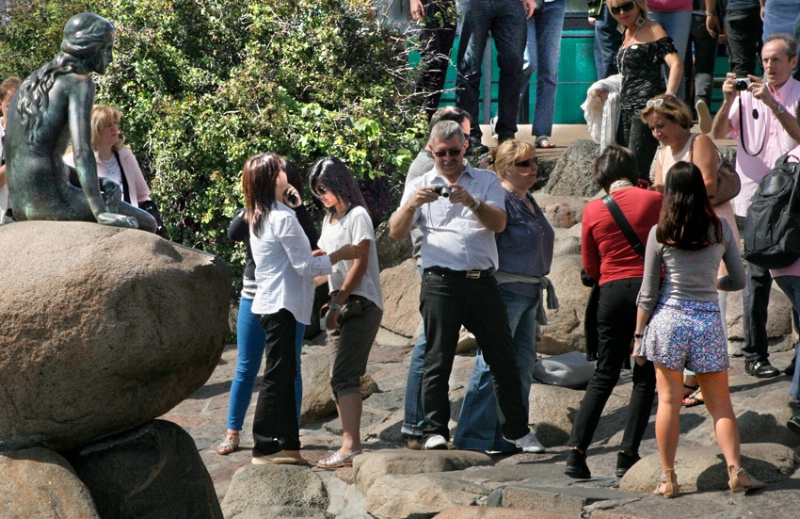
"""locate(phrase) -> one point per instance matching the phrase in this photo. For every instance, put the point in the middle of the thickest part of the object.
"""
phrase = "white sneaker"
(492, 124)
(529, 444)
(435, 442)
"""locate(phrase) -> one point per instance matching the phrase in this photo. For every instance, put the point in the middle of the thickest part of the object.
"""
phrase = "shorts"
(686, 334)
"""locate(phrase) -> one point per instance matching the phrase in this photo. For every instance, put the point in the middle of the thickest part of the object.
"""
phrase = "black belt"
(469, 274)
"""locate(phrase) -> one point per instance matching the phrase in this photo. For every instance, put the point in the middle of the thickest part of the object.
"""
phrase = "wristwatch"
(476, 204)
(779, 109)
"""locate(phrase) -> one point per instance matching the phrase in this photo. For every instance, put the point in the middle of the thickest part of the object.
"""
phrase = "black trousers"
(616, 322)
(436, 39)
(634, 134)
(275, 421)
(755, 300)
(744, 30)
(446, 303)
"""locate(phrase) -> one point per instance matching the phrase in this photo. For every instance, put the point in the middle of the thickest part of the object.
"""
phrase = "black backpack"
(772, 229)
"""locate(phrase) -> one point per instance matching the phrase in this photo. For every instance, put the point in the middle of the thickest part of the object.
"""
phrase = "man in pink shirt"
(764, 120)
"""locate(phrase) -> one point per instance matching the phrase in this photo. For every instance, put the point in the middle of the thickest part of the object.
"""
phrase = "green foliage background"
(204, 84)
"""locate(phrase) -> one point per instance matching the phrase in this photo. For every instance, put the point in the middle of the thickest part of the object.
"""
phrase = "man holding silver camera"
(762, 114)
(459, 258)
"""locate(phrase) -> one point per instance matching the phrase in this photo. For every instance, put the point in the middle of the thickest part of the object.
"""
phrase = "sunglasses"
(654, 102)
(321, 190)
(627, 6)
(453, 152)
(527, 163)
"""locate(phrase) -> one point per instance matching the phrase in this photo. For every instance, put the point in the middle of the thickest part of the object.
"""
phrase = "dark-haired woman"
(284, 273)
(609, 258)
(356, 306)
(250, 336)
(682, 318)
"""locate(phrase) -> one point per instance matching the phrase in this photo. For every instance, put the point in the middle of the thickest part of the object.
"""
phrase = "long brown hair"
(259, 177)
(686, 213)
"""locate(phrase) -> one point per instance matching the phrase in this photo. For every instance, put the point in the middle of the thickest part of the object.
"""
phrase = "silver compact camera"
(443, 191)
(742, 83)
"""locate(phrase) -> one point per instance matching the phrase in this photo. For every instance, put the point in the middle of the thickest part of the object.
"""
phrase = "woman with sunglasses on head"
(678, 323)
(670, 120)
(284, 274)
(610, 258)
(356, 306)
(525, 251)
(645, 48)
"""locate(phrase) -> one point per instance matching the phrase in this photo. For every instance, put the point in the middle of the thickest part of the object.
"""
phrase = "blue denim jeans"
(505, 20)
(414, 416)
(542, 53)
(250, 342)
(791, 287)
(607, 41)
(678, 24)
(478, 425)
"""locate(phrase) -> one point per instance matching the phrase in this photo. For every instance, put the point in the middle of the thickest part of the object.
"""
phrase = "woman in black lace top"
(645, 48)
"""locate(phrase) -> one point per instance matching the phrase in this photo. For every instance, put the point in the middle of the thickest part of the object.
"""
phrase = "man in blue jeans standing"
(607, 39)
(506, 21)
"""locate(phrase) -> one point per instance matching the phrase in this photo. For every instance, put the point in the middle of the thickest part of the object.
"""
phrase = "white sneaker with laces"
(435, 442)
(529, 444)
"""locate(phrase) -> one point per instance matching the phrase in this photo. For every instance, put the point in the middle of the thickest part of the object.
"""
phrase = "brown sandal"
(670, 482)
(229, 444)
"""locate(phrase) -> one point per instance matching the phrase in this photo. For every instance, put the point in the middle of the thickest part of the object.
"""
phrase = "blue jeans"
(542, 53)
(505, 20)
(779, 16)
(414, 417)
(250, 342)
(678, 24)
(791, 287)
(478, 425)
(607, 41)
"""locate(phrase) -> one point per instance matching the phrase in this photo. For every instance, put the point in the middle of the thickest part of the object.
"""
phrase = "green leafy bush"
(204, 84)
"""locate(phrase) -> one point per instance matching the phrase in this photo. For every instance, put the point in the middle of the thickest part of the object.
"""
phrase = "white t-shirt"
(355, 227)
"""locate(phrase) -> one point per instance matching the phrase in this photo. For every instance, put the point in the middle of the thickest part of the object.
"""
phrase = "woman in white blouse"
(285, 271)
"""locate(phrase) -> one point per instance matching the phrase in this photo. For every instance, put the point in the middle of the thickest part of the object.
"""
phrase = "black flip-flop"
(693, 396)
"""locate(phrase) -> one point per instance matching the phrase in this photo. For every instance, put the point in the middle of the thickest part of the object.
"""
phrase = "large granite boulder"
(564, 330)
(263, 490)
(104, 329)
(40, 483)
(151, 472)
(401, 286)
(572, 175)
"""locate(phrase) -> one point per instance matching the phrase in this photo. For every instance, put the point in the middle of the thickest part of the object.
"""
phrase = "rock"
(762, 418)
(568, 241)
(104, 329)
(371, 466)
(317, 393)
(38, 483)
(779, 315)
(567, 501)
(562, 212)
(564, 330)
(480, 512)
(280, 512)
(390, 251)
(151, 472)
(419, 495)
(255, 487)
(572, 175)
(401, 286)
(704, 468)
(552, 411)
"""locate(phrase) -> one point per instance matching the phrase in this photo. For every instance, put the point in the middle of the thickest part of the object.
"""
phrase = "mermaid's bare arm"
(81, 100)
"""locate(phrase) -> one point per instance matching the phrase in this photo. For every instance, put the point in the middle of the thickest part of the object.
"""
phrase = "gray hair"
(788, 39)
(446, 130)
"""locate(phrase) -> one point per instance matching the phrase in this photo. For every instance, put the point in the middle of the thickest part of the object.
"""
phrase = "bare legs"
(349, 408)
(718, 402)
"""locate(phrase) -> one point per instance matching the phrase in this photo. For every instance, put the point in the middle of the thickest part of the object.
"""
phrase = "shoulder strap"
(125, 195)
(691, 147)
(624, 226)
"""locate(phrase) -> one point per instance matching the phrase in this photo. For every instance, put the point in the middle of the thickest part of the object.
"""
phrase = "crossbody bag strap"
(125, 194)
(624, 226)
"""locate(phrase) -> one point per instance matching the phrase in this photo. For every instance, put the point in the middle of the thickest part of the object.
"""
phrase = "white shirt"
(285, 269)
(452, 236)
(354, 227)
